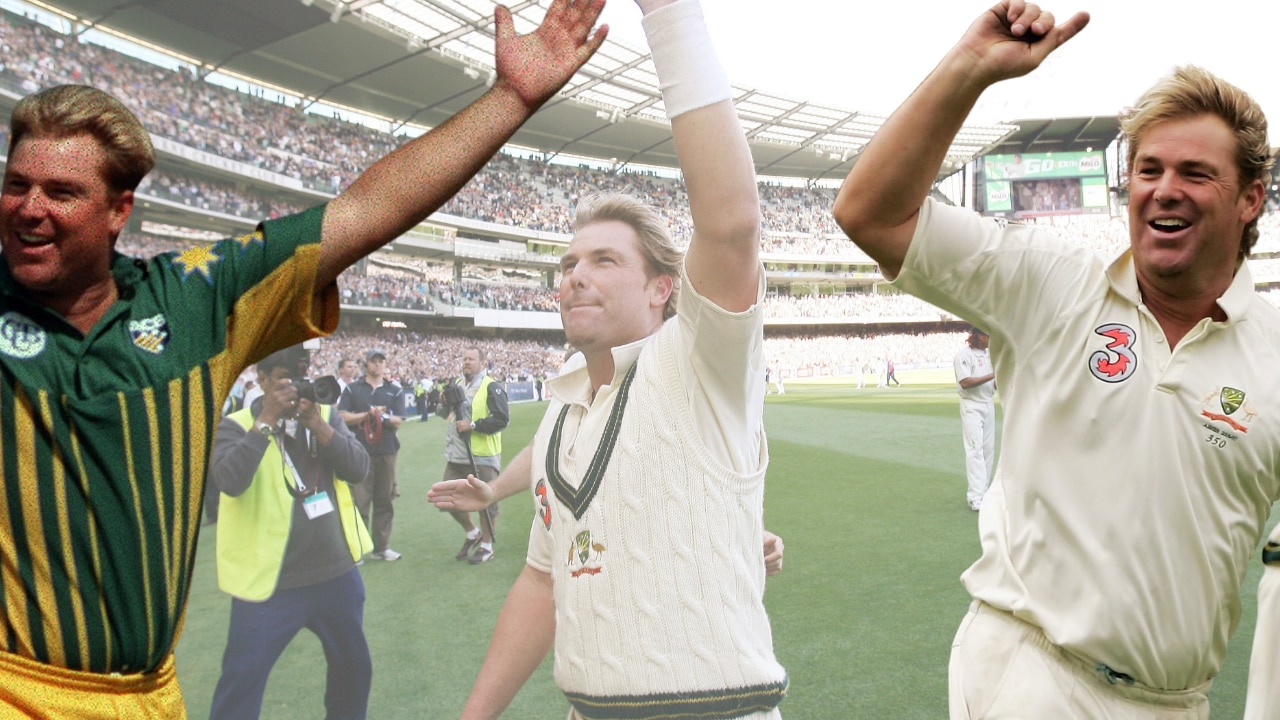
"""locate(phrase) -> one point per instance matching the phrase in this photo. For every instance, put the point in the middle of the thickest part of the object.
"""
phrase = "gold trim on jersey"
(33, 524)
(15, 594)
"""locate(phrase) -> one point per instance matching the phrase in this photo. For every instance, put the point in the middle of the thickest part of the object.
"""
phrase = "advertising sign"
(1044, 165)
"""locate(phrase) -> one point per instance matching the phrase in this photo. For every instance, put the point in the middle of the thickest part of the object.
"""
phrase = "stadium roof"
(420, 61)
(1078, 134)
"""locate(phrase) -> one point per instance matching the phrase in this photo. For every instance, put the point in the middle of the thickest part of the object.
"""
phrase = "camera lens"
(323, 390)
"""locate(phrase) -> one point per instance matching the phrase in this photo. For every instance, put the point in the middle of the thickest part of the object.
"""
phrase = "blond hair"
(67, 110)
(1191, 91)
(659, 250)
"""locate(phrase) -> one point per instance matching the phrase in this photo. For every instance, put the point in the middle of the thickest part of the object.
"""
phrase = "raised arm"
(878, 204)
(406, 186)
(723, 258)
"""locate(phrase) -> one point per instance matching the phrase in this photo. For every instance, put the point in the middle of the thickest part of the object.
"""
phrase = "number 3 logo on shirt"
(544, 510)
(1118, 361)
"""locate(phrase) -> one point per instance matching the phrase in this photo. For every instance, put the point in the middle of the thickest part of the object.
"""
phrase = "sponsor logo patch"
(150, 334)
(21, 337)
(544, 509)
(1117, 362)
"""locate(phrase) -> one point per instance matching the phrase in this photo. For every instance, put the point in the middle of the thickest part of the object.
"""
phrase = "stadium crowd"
(215, 195)
(326, 153)
(393, 280)
(412, 357)
(323, 153)
(854, 307)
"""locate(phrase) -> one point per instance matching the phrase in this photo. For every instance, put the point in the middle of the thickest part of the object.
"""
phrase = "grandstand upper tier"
(417, 62)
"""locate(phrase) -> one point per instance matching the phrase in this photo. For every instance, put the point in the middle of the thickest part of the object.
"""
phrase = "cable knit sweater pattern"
(659, 584)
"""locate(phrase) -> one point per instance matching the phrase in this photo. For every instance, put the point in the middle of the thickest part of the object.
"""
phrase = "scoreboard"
(1032, 184)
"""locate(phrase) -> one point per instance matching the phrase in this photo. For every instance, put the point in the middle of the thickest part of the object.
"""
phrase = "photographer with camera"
(289, 537)
(476, 408)
(373, 407)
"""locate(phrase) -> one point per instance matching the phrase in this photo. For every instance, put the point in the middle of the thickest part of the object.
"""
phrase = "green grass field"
(865, 486)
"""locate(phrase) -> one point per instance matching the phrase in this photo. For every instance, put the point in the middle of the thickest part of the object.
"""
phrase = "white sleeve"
(539, 554)
(1004, 277)
(963, 369)
(720, 357)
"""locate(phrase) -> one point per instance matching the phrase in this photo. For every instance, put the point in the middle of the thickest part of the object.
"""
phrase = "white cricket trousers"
(1003, 668)
(978, 429)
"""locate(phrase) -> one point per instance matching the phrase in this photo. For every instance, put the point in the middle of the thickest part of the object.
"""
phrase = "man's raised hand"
(535, 66)
(1014, 37)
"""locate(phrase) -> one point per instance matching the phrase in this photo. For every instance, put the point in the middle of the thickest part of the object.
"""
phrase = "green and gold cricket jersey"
(105, 437)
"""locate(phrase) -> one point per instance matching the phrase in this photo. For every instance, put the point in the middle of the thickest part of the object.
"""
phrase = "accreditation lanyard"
(315, 502)
(293, 478)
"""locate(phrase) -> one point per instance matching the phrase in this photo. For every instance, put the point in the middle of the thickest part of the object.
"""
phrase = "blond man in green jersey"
(112, 370)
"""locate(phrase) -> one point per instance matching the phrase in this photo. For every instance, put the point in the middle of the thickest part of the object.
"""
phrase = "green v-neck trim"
(578, 499)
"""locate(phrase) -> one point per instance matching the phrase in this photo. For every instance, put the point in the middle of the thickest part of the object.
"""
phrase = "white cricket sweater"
(659, 581)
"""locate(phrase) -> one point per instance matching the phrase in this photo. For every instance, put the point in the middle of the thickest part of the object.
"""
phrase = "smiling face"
(607, 295)
(1187, 204)
(58, 217)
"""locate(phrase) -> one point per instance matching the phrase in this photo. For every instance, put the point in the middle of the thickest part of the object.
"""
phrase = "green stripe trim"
(88, 555)
(577, 500)
(1271, 554)
(692, 705)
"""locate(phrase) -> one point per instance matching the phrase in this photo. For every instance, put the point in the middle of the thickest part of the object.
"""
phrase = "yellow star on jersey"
(249, 238)
(197, 259)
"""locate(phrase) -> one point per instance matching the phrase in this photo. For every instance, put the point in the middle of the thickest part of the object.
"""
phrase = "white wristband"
(689, 72)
